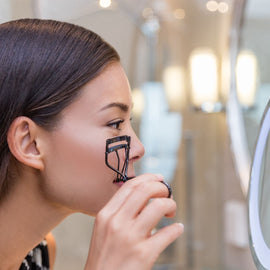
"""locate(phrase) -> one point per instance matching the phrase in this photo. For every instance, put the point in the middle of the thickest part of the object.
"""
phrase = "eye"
(115, 124)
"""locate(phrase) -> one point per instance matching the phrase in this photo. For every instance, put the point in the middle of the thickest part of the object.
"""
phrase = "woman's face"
(75, 174)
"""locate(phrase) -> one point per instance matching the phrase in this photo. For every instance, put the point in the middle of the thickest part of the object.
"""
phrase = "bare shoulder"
(51, 248)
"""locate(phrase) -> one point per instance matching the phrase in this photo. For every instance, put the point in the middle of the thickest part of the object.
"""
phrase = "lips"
(117, 180)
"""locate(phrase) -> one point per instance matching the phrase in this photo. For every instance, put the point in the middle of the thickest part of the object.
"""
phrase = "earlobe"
(23, 142)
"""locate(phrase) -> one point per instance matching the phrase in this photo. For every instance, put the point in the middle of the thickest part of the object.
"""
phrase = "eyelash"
(116, 124)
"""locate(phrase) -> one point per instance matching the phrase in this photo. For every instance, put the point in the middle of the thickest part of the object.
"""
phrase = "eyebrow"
(119, 105)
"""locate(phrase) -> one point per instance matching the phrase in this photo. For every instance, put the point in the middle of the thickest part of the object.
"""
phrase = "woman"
(63, 93)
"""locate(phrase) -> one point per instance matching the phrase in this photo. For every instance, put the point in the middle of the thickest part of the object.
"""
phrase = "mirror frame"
(259, 249)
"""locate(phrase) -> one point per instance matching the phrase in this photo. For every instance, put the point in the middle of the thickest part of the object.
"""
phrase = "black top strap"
(37, 258)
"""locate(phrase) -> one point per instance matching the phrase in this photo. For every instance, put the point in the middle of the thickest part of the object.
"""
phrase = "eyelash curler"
(113, 145)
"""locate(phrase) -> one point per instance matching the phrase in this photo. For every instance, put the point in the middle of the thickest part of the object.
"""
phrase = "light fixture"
(138, 102)
(105, 3)
(174, 84)
(204, 80)
(212, 6)
(246, 78)
(223, 7)
(179, 14)
(147, 12)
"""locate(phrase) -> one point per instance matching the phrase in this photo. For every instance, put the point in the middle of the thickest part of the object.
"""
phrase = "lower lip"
(119, 183)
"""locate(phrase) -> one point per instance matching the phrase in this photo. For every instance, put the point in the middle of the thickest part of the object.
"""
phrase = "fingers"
(140, 196)
(129, 205)
(168, 187)
(121, 196)
(164, 237)
(122, 229)
(153, 213)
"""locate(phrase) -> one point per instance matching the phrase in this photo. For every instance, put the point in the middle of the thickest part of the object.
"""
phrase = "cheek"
(76, 175)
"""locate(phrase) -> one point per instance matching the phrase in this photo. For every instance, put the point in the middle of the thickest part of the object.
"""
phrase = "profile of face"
(75, 175)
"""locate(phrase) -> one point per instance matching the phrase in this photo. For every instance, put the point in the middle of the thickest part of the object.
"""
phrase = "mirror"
(248, 119)
(252, 69)
(250, 83)
(259, 200)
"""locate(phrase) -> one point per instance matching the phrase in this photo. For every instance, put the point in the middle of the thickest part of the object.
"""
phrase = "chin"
(91, 204)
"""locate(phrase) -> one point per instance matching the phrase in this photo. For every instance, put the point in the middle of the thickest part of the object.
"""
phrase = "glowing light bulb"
(179, 14)
(223, 7)
(147, 13)
(212, 6)
(204, 78)
(246, 77)
(105, 3)
(138, 101)
(174, 83)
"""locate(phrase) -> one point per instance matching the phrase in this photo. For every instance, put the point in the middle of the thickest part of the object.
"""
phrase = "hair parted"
(43, 64)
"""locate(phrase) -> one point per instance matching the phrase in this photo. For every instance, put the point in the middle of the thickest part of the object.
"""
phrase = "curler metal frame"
(121, 173)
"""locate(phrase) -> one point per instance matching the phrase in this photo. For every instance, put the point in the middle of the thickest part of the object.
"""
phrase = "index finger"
(123, 193)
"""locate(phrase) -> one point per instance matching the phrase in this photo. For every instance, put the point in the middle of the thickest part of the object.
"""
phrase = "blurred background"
(199, 73)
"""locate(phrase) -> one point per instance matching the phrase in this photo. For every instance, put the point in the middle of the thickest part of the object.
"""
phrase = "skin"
(63, 171)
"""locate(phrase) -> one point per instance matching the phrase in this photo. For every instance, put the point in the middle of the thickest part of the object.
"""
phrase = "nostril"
(134, 159)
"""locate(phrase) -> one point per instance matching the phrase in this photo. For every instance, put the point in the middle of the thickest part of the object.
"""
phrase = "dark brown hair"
(43, 64)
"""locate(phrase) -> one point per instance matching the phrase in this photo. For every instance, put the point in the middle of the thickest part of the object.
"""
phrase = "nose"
(136, 148)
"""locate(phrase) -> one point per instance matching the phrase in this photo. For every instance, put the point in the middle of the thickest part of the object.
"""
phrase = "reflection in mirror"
(253, 81)
(250, 90)
(253, 90)
(248, 99)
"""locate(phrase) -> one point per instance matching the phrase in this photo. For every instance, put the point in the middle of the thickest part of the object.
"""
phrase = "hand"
(122, 236)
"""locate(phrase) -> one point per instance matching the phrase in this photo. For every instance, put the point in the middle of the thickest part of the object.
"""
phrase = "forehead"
(111, 86)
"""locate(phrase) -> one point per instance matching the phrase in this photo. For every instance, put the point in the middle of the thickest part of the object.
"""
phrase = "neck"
(26, 218)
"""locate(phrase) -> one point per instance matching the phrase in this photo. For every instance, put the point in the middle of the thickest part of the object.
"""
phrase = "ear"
(23, 142)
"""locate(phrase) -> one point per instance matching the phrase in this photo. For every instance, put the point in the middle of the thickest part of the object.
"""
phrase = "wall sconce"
(204, 80)
(138, 102)
(174, 84)
(246, 78)
(105, 3)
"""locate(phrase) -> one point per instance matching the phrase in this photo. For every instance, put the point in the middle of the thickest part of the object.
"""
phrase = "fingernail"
(181, 226)
(159, 176)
